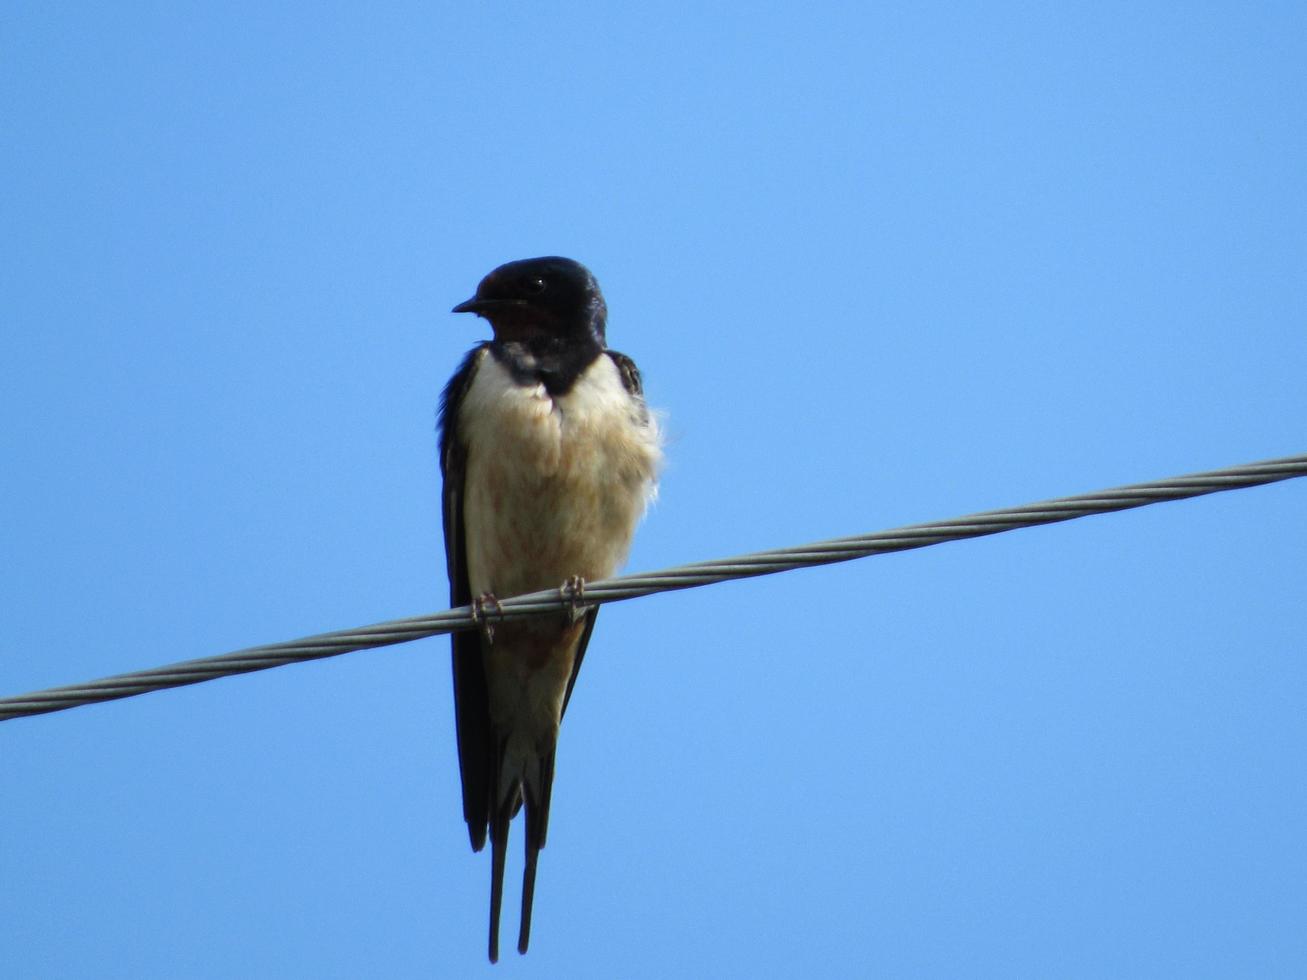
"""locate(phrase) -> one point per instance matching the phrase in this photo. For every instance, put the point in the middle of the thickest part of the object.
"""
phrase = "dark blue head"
(545, 299)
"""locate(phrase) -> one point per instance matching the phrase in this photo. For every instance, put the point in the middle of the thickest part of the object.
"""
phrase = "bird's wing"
(635, 388)
(630, 375)
(471, 698)
(590, 618)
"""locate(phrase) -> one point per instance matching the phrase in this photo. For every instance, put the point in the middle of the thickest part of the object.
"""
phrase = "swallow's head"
(550, 297)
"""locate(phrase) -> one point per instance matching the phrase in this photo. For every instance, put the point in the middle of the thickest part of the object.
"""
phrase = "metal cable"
(631, 586)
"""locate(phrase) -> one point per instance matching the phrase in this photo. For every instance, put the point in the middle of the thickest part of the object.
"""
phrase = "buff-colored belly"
(554, 487)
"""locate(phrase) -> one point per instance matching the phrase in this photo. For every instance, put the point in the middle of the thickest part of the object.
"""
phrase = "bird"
(549, 457)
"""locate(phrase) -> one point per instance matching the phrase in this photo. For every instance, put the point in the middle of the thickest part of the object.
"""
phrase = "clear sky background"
(879, 264)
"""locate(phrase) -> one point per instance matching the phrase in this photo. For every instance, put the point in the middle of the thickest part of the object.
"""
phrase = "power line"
(647, 583)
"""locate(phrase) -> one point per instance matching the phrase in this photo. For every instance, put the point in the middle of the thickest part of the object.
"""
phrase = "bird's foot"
(486, 600)
(573, 593)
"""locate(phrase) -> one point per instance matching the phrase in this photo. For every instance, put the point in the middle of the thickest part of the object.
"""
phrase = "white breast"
(554, 486)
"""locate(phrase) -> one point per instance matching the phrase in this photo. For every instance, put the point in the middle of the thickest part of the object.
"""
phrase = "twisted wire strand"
(647, 583)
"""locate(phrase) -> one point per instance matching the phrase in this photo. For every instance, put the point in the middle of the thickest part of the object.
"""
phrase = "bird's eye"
(535, 285)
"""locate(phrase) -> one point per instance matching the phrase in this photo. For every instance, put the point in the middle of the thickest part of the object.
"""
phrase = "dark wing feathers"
(471, 697)
(635, 387)
(584, 642)
(630, 374)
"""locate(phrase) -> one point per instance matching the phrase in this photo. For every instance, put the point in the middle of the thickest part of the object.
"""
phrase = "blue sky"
(879, 264)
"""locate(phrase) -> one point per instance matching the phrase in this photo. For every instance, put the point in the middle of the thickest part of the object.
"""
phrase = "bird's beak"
(472, 305)
(484, 307)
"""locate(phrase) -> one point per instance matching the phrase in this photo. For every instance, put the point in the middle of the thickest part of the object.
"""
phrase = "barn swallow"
(549, 456)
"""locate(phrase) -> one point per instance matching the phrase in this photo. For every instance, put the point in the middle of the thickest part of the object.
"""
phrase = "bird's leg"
(573, 593)
(479, 606)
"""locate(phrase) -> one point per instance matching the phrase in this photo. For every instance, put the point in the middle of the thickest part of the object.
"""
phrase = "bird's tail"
(535, 786)
(498, 852)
